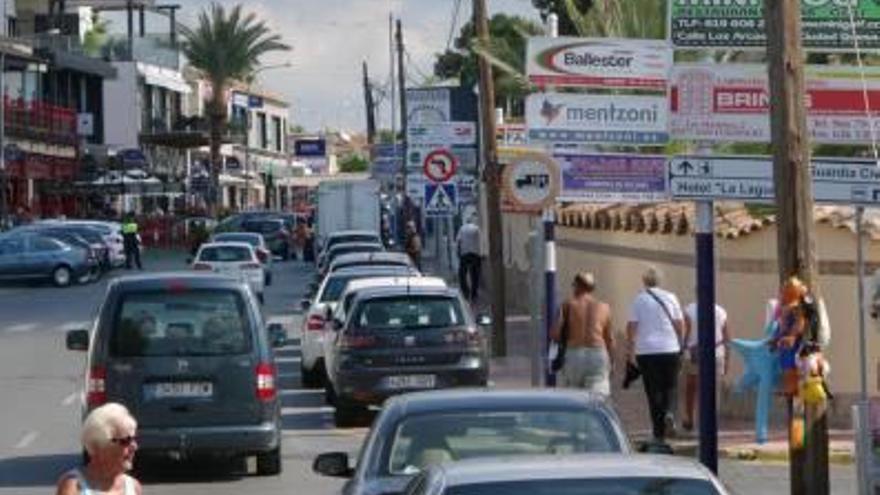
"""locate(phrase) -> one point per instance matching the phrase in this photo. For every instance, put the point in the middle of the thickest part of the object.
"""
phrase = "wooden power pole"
(370, 107)
(404, 119)
(492, 178)
(794, 219)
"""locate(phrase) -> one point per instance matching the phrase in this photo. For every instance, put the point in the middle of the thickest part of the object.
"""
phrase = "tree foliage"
(354, 163)
(567, 26)
(618, 19)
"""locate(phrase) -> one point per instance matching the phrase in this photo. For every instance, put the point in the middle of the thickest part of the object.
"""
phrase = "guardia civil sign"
(738, 24)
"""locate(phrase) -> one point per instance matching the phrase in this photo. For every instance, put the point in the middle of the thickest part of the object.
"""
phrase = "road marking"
(27, 439)
(74, 325)
(282, 360)
(306, 410)
(20, 328)
(70, 399)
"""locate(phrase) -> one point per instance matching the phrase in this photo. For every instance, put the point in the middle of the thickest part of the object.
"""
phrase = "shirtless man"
(586, 321)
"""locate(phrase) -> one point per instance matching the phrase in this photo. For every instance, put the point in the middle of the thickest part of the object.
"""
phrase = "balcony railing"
(151, 49)
(40, 121)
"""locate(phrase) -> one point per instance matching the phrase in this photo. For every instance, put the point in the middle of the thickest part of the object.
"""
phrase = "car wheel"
(329, 393)
(62, 276)
(347, 416)
(312, 378)
(269, 463)
(268, 278)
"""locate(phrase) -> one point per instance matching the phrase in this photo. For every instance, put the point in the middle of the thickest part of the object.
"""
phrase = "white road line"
(27, 439)
(282, 360)
(69, 400)
(306, 410)
(20, 328)
(74, 325)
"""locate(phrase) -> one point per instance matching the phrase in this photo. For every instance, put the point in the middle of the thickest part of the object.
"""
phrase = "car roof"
(226, 244)
(344, 245)
(463, 399)
(377, 269)
(379, 256)
(180, 280)
(363, 284)
(573, 466)
(237, 234)
(344, 233)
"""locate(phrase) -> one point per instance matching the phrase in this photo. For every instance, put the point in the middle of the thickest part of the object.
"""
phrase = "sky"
(330, 39)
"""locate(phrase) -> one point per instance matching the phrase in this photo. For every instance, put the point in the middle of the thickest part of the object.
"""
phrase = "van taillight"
(315, 322)
(265, 382)
(202, 267)
(96, 387)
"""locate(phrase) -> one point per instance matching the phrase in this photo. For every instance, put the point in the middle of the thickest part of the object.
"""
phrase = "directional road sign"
(750, 179)
(440, 165)
(440, 199)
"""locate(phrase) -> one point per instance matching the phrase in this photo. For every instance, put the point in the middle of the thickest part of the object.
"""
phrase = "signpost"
(612, 178)
(443, 134)
(440, 165)
(530, 183)
(441, 200)
(599, 62)
(825, 24)
(745, 178)
(601, 119)
(731, 103)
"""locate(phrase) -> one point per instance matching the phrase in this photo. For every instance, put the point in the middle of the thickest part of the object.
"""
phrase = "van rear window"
(192, 323)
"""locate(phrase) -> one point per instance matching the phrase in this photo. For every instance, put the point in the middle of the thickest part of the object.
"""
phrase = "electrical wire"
(415, 66)
(865, 97)
(455, 12)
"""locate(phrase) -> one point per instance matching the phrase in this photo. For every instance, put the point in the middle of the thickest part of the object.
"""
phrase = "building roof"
(732, 220)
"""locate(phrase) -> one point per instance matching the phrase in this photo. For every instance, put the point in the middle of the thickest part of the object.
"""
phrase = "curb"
(757, 454)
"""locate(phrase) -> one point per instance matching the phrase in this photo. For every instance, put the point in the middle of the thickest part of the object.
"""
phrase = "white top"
(720, 320)
(469, 239)
(654, 332)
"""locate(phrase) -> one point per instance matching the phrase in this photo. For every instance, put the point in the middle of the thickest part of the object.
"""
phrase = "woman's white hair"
(103, 423)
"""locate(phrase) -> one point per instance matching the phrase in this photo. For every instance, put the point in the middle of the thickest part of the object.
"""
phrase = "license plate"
(411, 381)
(179, 390)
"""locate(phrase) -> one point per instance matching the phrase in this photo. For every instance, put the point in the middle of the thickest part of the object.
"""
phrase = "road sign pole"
(705, 244)
(549, 288)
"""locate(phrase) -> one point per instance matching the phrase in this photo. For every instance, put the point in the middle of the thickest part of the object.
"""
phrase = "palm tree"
(226, 46)
(617, 19)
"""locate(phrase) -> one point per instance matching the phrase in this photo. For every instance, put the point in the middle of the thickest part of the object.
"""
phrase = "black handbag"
(559, 361)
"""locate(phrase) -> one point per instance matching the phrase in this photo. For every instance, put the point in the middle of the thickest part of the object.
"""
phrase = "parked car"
(321, 305)
(606, 474)
(80, 235)
(346, 248)
(32, 255)
(349, 236)
(189, 355)
(232, 259)
(278, 237)
(258, 243)
(398, 338)
(415, 430)
(110, 231)
(96, 252)
(370, 259)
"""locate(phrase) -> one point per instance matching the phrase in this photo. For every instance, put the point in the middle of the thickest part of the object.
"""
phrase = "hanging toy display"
(790, 329)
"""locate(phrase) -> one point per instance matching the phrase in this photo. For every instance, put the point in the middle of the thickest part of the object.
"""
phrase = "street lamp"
(247, 132)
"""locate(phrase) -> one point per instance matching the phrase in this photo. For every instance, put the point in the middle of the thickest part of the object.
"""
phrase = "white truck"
(347, 204)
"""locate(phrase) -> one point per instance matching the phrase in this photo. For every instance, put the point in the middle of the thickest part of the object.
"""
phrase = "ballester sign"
(602, 63)
(530, 182)
(740, 23)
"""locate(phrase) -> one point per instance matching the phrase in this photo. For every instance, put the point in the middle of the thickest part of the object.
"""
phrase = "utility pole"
(794, 203)
(492, 179)
(401, 80)
(368, 103)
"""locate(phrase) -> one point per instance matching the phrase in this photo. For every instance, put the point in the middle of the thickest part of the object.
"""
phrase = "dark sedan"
(415, 431)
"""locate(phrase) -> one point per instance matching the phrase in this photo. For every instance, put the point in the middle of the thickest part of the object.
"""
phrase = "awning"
(165, 78)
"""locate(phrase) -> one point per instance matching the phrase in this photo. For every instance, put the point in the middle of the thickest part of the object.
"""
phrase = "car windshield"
(409, 312)
(426, 439)
(594, 486)
(192, 323)
(248, 239)
(348, 264)
(225, 254)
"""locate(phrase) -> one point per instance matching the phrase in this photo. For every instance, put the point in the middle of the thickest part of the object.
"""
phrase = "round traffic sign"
(440, 165)
(531, 181)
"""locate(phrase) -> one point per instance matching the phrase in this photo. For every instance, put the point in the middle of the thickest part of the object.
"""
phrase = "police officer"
(131, 242)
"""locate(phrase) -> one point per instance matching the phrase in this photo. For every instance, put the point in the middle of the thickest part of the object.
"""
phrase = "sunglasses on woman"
(123, 441)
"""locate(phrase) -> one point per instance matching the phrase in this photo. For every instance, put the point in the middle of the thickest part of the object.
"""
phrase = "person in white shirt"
(691, 362)
(654, 334)
(468, 242)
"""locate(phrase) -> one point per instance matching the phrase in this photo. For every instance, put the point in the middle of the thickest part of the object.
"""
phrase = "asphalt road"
(39, 381)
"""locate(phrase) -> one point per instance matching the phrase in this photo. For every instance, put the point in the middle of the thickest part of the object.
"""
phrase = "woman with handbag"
(654, 335)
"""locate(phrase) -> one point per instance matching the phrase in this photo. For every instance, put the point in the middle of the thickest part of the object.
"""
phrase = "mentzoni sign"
(740, 23)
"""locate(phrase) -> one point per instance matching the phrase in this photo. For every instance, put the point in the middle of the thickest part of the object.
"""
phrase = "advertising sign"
(740, 24)
(716, 102)
(428, 105)
(612, 178)
(511, 135)
(601, 119)
(387, 161)
(310, 147)
(750, 178)
(598, 62)
(442, 134)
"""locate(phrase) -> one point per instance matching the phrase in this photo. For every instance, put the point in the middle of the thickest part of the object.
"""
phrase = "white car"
(233, 259)
(323, 303)
(255, 240)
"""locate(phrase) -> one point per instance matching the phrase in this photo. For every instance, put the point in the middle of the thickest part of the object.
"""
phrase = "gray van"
(190, 356)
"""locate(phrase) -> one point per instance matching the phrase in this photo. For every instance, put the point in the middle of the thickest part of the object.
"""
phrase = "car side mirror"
(484, 320)
(305, 304)
(78, 340)
(333, 464)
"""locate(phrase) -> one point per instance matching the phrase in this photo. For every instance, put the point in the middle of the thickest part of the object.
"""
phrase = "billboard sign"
(740, 24)
(442, 134)
(598, 62)
(428, 106)
(731, 103)
(750, 179)
(601, 119)
(612, 178)
(314, 147)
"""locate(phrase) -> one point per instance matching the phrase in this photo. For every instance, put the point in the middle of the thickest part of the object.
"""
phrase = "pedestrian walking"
(583, 331)
(654, 334)
(109, 440)
(469, 260)
(131, 243)
(691, 362)
(299, 239)
(413, 244)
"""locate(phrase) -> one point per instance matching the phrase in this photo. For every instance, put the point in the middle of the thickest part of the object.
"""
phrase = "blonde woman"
(108, 436)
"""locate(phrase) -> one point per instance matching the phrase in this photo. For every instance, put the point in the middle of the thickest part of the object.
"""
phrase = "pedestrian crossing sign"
(440, 199)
